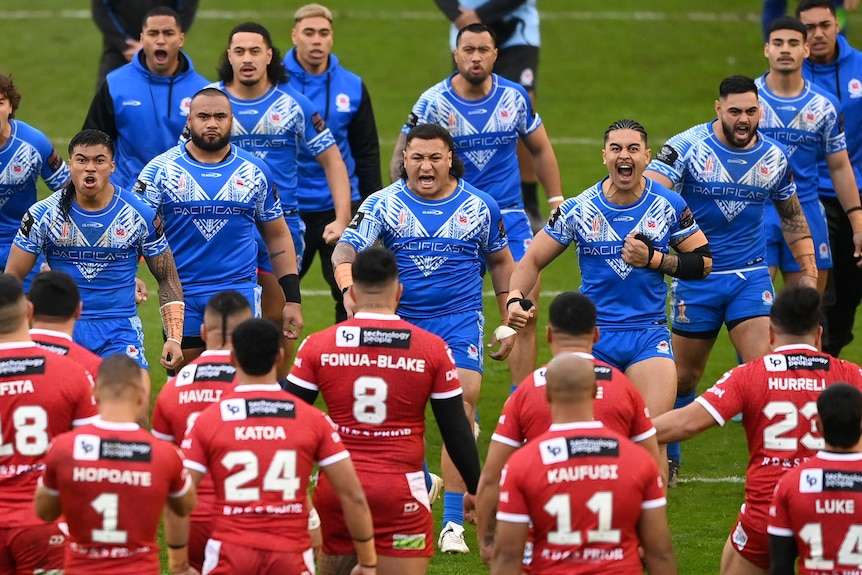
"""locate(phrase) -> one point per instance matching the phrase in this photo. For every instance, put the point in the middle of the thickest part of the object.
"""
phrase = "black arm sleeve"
(782, 555)
(458, 439)
(187, 10)
(494, 10)
(101, 114)
(309, 396)
(449, 8)
(111, 28)
(365, 147)
(691, 264)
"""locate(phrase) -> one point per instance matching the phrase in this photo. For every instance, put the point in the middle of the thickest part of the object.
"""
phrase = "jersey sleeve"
(785, 186)
(446, 383)
(330, 449)
(684, 224)
(513, 498)
(32, 234)
(779, 517)
(267, 205)
(528, 120)
(181, 481)
(152, 241)
(510, 429)
(194, 446)
(653, 493)
(54, 171)
(641, 424)
(423, 110)
(726, 398)
(366, 226)
(495, 237)
(147, 185)
(314, 133)
(671, 160)
(162, 427)
(834, 138)
(304, 370)
(564, 222)
(53, 458)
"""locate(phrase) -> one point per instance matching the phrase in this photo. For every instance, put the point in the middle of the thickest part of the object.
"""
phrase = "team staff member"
(343, 100)
(143, 105)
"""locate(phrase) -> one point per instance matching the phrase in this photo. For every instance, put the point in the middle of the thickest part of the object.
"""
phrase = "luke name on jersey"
(242, 409)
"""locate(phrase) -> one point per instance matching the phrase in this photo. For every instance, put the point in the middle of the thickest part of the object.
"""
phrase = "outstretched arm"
(164, 269)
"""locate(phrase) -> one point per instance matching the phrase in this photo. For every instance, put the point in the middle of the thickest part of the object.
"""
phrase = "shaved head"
(570, 379)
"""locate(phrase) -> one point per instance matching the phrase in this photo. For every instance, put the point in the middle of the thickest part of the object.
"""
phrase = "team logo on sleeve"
(87, 447)
(501, 227)
(27, 223)
(140, 187)
(686, 218)
(357, 219)
(318, 123)
(54, 161)
(667, 155)
(412, 120)
(854, 86)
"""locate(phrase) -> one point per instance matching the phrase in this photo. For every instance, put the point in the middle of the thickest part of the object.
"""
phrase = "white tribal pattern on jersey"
(210, 212)
(627, 296)
(808, 125)
(727, 190)
(439, 244)
(485, 132)
(100, 250)
(273, 127)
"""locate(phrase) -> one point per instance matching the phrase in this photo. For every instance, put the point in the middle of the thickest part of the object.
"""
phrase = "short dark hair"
(90, 137)
(787, 23)
(276, 72)
(12, 312)
(626, 125)
(804, 5)
(374, 267)
(119, 375)
(839, 407)
(477, 28)
(434, 132)
(163, 11)
(227, 304)
(796, 311)
(572, 313)
(737, 84)
(256, 343)
(8, 89)
(210, 91)
(54, 294)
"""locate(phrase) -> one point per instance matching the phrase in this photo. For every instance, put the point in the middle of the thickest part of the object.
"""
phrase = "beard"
(733, 138)
(203, 143)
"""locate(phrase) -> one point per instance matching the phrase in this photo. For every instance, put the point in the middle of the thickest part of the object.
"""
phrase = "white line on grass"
(728, 479)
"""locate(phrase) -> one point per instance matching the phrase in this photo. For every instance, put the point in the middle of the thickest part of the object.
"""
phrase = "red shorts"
(198, 536)
(223, 558)
(749, 537)
(403, 525)
(31, 549)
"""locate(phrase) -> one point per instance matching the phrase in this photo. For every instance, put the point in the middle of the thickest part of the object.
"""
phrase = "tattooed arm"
(164, 269)
(796, 233)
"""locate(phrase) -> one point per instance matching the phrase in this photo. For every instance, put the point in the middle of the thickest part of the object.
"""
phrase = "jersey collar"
(576, 425)
(372, 315)
(116, 425)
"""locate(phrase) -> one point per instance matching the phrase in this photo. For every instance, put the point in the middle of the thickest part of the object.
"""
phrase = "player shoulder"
(28, 135)
(485, 197)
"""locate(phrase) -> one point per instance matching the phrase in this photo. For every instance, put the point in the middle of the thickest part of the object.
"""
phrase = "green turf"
(657, 62)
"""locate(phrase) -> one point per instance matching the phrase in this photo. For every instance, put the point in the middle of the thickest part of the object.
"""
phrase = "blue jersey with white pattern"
(439, 244)
(210, 213)
(27, 155)
(808, 126)
(273, 127)
(727, 190)
(624, 295)
(100, 249)
(485, 132)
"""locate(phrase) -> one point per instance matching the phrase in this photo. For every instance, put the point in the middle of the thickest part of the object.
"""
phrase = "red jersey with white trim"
(113, 480)
(42, 395)
(377, 373)
(618, 404)
(582, 487)
(198, 385)
(818, 504)
(259, 444)
(777, 396)
(62, 344)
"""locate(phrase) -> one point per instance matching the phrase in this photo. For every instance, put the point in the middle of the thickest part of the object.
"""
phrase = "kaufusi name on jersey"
(365, 360)
(583, 472)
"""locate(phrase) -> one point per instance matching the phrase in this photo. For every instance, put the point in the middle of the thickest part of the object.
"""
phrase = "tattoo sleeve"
(164, 269)
(797, 234)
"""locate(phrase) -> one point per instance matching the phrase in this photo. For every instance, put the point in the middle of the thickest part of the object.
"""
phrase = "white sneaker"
(451, 539)
(436, 488)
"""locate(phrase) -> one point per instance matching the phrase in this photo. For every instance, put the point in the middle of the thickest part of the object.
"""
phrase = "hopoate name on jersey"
(365, 360)
(22, 366)
(355, 336)
(237, 409)
(560, 449)
(788, 362)
(90, 447)
(199, 396)
(116, 476)
(16, 387)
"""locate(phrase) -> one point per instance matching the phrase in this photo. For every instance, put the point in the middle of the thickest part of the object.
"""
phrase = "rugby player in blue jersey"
(727, 171)
(444, 232)
(623, 229)
(97, 232)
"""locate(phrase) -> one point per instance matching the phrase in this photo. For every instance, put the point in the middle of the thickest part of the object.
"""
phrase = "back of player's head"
(224, 311)
(737, 84)
(839, 407)
(626, 125)
(477, 28)
(54, 295)
(435, 132)
(256, 343)
(163, 11)
(796, 311)
(13, 304)
(89, 137)
(572, 313)
(787, 23)
(276, 72)
(805, 5)
(312, 11)
(375, 267)
(119, 378)
(570, 379)
(10, 92)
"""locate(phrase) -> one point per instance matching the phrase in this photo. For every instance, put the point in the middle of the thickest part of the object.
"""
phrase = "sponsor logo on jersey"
(477, 111)
(86, 447)
(603, 372)
(347, 336)
(283, 408)
(125, 450)
(432, 213)
(247, 113)
(357, 219)
(402, 220)
(342, 102)
(563, 448)
(16, 366)
(131, 103)
(624, 219)
(403, 541)
(232, 409)
(27, 223)
(739, 161)
(94, 225)
(811, 481)
(376, 337)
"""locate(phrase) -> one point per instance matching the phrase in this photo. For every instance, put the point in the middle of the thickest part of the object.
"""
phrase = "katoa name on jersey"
(16, 387)
(364, 360)
(578, 472)
(243, 432)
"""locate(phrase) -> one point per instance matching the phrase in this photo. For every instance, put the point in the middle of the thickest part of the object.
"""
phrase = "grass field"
(657, 62)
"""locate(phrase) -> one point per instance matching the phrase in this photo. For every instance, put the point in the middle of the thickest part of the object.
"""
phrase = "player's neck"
(781, 340)
(67, 327)
(206, 156)
(96, 202)
(167, 73)
(470, 91)
(571, 346)
(244, 378)
(785, 85)
(118, 411)
(571, 412)
(620, 197)
(22, 334)
(379, 307)
(242, 91)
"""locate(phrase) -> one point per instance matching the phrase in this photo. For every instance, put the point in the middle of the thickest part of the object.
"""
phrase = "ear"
(596, 335)
(204, 332)
(78, 310)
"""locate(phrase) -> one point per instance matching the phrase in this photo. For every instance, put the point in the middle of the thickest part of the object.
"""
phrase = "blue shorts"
(297, 232)
(106, 337)
(196, 304)
(518, 232)
(623, 347)
(778, 253)
(702, 306)
(465, 334)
